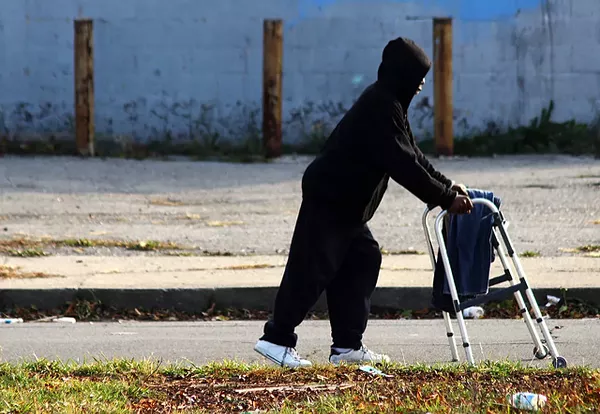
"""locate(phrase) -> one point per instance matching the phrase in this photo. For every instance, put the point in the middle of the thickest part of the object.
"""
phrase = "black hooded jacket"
(373, 142)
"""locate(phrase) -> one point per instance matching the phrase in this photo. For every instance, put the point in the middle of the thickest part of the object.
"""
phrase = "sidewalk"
(193, 283)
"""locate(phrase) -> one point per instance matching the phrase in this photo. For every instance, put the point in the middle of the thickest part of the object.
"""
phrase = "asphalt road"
(252, 207)
(201, 342)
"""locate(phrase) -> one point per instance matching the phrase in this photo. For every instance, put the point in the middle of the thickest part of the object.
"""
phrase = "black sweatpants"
(328, 254)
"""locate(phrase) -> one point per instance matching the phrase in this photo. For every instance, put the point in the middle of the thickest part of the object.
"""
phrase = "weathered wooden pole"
(272, 85)
(442, 86)
(84, 86)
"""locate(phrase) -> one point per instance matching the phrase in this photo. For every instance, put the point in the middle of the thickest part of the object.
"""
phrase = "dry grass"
(189, 216)
(386, 252)
(10, 272)
(248, 267)
(217, 223)
(590, 250)
(167, 202)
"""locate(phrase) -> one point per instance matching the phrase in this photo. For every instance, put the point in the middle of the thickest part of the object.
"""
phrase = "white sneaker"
(281, 355)
(357, 356)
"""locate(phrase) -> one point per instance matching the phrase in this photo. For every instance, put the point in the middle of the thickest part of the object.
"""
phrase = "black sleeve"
(430, 169)
(391, 149)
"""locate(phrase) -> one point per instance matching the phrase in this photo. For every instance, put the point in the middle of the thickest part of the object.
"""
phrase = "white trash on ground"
(552, 300)
(372, 370)
(64, 320)
(527, 401)
(474, 312)
(7, 321)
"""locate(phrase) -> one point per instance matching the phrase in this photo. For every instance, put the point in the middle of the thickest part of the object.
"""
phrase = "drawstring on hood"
(403, 66)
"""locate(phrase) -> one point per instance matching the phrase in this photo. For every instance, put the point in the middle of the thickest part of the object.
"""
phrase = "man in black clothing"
(332, 248)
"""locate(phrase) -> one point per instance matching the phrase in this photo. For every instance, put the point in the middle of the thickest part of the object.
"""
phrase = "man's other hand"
(460, 189)
(461, 205)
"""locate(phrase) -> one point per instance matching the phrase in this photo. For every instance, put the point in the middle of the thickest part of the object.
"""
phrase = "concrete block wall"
(158, 61)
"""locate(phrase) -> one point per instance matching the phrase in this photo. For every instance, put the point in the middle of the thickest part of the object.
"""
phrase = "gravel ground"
(551, 201)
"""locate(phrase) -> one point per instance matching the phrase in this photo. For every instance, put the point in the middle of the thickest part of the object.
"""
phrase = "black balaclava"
(403, 66)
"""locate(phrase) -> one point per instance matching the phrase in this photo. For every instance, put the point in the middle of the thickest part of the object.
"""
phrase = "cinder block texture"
(510, 57)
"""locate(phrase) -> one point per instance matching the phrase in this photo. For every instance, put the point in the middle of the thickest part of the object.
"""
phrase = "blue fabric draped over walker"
(470, 251)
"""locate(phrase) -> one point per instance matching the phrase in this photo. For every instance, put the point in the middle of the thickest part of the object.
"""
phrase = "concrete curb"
(255, 298)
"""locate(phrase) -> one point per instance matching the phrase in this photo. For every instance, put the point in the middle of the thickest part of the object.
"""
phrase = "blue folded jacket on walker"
(470, 251)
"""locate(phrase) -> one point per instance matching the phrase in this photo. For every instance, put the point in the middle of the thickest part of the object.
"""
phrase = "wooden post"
(84, 87)
(272, 80)
(442, 85)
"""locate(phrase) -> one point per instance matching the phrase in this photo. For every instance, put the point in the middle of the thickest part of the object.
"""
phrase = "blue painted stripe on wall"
(492, 9)
(462, 9)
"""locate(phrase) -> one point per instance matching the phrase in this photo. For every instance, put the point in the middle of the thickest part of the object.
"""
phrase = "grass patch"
(30, 252)
(12, 247)
(135, 245)
(541, 135)
(33, 248)
(218, 253)
(386, 252)
(15, 272)
(590, 248)
(152, 245)
(249, 150)
(213, 253)
(530, 253)
(146, 386)
(45, 386)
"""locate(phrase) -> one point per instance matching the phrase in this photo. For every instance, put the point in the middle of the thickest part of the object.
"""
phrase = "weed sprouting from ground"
(530, 254)
(541, 135)
(590, 248)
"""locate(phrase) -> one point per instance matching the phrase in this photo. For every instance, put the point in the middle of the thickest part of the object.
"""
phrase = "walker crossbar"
(518, 286)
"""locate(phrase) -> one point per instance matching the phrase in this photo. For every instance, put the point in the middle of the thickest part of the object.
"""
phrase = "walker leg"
(450, 334)
(558, 361)
(540, 351)
(462, 326)
(447, 320)
(453, 292)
